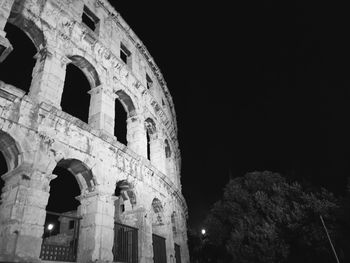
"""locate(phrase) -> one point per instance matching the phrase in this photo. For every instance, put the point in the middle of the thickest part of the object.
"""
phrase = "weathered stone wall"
(35, 134)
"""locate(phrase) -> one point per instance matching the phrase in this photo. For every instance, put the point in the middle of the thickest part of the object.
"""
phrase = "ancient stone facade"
(36, 135)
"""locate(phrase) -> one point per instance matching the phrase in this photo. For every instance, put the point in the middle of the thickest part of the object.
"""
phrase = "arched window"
(169, 161)
(148, 145)
(126, 199)
(159, 231)
(75, 97)
(120, 130)
(9, 156)
(62, 223)
(173, 224)
(167, 149)
(17, 68)
(151, 134)
(157, 213)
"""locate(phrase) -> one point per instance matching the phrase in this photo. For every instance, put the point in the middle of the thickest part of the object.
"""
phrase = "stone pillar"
(136, 135)
(101, 112)
(158, 153)
(144, 224)
(185, 254)
(22, 214)
(48, 77)
(169, 240)
(5, 45)
(97, 228)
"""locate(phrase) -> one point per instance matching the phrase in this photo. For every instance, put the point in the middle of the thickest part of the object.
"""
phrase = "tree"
(264, 218)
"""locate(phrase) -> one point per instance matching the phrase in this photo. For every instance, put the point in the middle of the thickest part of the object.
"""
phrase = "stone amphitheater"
(130, 204)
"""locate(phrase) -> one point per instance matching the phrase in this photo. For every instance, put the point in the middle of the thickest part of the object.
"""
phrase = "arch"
(127, 103)
(125, 190)
(126, 199)
(157, 213)
(151, 136)
(20, 60)
(76, 85)
(81, 172)
(167, 149)
(63, 207)
(26, 25)
(173, 223)
(150, 126)
(120, 122)
(10, 150)
(87, 68)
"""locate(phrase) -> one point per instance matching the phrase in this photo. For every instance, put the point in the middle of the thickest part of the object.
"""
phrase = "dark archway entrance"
(125, 247)
(62, 223)
(17, 68)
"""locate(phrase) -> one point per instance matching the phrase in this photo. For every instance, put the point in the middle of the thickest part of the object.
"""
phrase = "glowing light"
(50, 227)
(203, 231)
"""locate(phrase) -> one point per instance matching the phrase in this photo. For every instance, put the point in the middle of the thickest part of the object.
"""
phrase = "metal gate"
(62, 246)
(177, 253)
(125, 248)
(159, 249)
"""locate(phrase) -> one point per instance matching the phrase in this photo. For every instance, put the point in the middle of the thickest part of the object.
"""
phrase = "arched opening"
(120, 130)
(148, 145)
(169, 166)
(3, 170)
(151, 136)
(125, 201)
(9, 156)
(173, 224)
(75, 97)
(62, 223)
(158, 231)
(17, 68)
(167, 149)
(125, 247)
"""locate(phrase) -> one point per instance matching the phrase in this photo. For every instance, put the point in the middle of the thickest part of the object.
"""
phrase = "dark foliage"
(263, 217)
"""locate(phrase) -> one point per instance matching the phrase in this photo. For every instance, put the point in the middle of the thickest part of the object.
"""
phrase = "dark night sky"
(260, 85)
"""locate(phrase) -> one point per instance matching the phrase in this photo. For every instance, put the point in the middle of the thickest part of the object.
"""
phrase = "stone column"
(158, 152)
(22, 214)
(185, 254)
(136, 135)
(101, 112)
(5, 45)
(169, 239)
(48, 77)
(97, 228)
(144, 224)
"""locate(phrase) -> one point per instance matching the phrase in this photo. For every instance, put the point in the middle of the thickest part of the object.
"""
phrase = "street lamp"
(203, 231)
(50, 227)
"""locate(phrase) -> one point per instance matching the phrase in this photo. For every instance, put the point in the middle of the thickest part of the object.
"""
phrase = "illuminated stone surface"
(36, 135)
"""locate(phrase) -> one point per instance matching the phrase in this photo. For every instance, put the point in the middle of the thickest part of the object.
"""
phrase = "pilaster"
(158, 153)
(22, 214)
(97, 228)
(101, 112)
(48, 77)
(136, 135)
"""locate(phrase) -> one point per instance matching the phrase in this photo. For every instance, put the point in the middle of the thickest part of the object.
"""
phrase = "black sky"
(258, 85)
